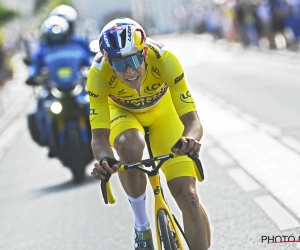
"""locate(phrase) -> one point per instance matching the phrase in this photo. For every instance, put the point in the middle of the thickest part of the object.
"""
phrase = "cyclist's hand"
(104, 168)
(186, 146)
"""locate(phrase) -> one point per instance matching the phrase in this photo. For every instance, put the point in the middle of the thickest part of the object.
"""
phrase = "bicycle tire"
(166, 235)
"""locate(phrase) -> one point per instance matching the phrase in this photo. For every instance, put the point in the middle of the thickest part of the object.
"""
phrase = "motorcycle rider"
(70, 14)
(62, 56)
(67, 12)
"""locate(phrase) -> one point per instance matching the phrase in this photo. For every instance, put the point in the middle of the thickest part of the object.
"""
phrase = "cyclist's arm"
(100, 143)
(173, 75)
(193, 131)
(100, 121)
(184, 105)
(101, 148)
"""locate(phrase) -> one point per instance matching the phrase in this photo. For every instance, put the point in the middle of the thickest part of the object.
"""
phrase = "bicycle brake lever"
(104, 192)
(198, 163)
(194, 157)
(110, 161)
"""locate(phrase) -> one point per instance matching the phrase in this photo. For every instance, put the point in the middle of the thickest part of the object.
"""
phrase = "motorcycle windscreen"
(64, 67)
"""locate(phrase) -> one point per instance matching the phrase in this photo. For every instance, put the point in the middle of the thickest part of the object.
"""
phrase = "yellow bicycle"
(168, 228)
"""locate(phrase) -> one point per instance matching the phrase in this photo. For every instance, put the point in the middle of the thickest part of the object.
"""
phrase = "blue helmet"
(121, 37)
(55, 29)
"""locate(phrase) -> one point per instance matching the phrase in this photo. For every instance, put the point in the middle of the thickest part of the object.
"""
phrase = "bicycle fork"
(160, 203)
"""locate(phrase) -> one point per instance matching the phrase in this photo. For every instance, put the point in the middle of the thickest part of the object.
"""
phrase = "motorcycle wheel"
(75, 155)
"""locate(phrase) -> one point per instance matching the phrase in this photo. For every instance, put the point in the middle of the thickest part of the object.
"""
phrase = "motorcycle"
(60, 121)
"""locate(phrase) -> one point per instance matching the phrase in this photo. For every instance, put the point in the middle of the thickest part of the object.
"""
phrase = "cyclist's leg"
(181, 176)
(127, 135)
(129, 145)
(195, 220)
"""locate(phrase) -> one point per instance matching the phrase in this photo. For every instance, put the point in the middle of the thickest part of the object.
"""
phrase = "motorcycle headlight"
(77, 90)
(57, 93)
(56, 107)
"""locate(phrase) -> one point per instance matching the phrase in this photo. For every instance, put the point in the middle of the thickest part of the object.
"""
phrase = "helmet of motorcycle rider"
(67, 12)
(55, 29)
(121, 37)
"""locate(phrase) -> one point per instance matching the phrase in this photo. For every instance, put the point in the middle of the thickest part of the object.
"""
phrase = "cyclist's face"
(133, 77)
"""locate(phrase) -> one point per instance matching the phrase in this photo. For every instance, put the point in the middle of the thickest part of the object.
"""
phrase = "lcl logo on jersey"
(186, 97)
(150, 89)
(155, 72)
(112, 81)
(93, 112)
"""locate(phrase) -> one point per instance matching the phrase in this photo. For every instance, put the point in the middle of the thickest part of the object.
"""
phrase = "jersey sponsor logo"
(121, 92)
(92, 94)
(112, 81)
(178, 78)
(186, 97)
(156, 190)
(129, 34)
(140, 102)
(152, 88)
(93, 112)
(118, 117)
(157, 54)
(155, 72)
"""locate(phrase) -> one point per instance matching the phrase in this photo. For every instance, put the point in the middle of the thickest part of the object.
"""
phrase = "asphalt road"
(247, 101)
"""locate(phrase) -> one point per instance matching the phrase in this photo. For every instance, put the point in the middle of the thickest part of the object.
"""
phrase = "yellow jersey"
(163, 75)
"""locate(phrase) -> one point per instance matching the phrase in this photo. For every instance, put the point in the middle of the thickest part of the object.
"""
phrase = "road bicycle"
(168, 229)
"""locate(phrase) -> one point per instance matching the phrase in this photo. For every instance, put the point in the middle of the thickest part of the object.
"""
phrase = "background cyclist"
(136, 82)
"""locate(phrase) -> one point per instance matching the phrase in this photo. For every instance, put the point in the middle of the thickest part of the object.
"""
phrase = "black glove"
(31, 81)
(194, 157)
(111, 162)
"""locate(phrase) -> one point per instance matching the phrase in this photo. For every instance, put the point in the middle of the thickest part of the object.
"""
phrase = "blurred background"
(241, 60)
(271, 24)
(268, 23)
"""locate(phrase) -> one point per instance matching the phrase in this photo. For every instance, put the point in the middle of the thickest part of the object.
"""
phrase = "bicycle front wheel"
(167, 235)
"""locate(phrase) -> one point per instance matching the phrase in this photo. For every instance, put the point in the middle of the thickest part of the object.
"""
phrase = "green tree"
(49, 5)
(5, 70)
(7, 14)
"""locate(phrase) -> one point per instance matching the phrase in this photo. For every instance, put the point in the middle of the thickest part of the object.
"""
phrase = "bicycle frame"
(159, 199)
(160, 203)
(154, 179)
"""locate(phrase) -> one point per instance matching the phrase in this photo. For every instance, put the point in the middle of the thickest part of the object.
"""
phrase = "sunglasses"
(134, 61)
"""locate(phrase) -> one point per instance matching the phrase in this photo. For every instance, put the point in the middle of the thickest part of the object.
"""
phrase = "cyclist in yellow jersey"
(136, 82)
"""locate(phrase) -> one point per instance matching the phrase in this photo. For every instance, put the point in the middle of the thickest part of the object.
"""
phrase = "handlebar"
(105, 184)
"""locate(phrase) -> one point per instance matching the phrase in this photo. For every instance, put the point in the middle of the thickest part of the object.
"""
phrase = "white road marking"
(276, 212)
(267, 160)
(270, 129)
(7, 137)
(219, 156)
(291, 142)
(249, 118)
(245, 181)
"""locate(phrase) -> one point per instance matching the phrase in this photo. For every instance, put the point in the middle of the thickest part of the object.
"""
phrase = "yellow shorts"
(165, 129)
